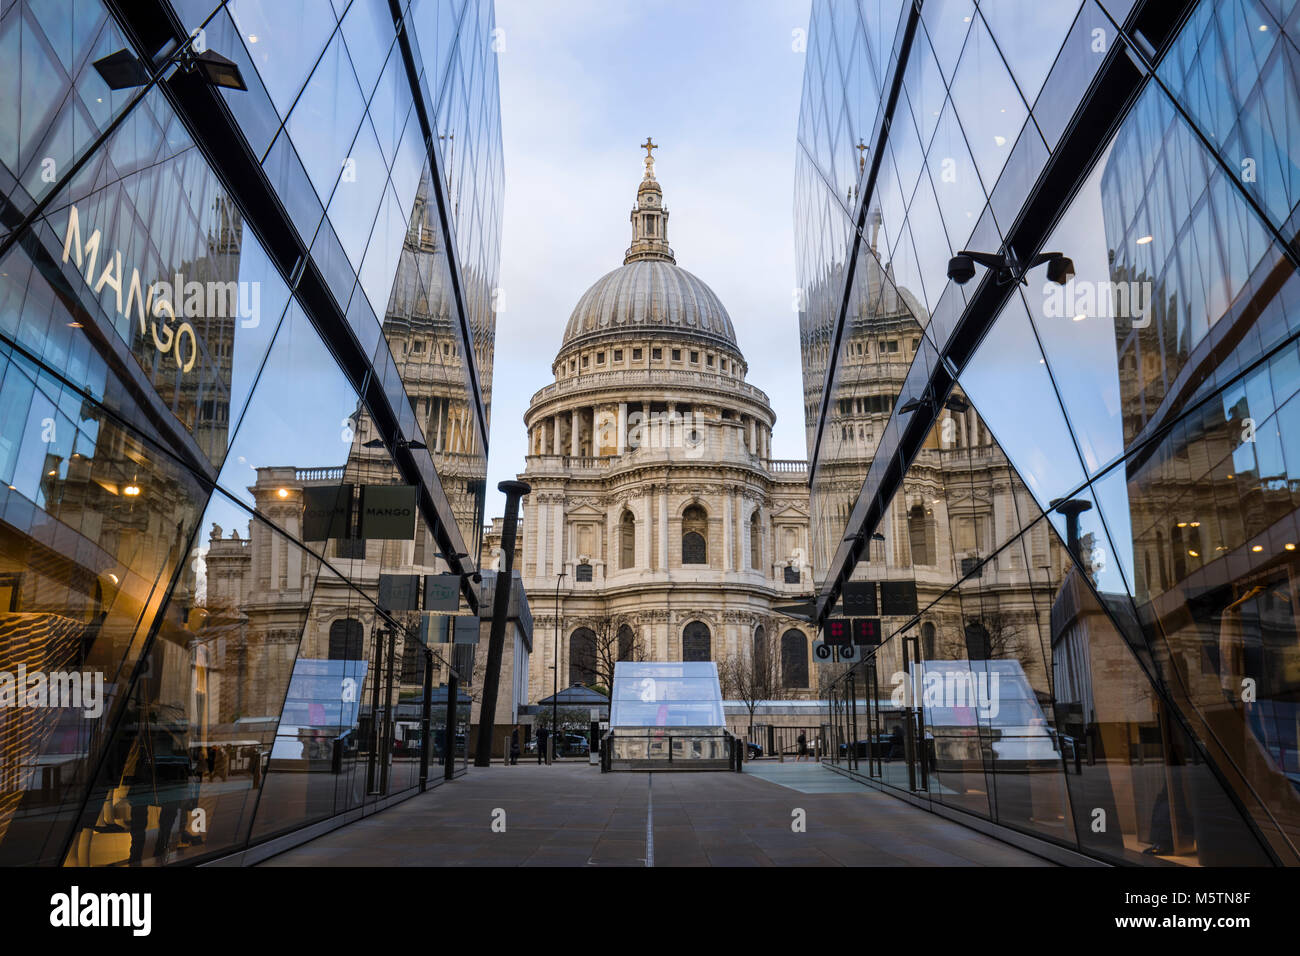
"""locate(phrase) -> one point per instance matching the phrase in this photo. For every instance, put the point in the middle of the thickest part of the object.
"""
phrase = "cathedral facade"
(659, 527)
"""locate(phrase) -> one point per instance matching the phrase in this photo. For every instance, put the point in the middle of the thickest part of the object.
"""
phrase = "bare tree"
(753, 675)
(993, 637)
(829, 673)
(614, 640)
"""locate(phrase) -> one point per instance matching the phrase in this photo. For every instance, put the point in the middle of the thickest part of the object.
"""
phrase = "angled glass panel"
(284, 41)
(368, 32)
(946, 24)
(1030, 35)
(989, 107)
(1140, 791)
(325, 117)
(956, 185)
(358, 194)
(1008, 383)
(924, 88)
(1235, 68)
(94, 520)
(302, 416)
(189, 757)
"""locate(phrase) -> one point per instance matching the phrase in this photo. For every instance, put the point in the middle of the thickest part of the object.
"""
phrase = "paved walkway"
(569, 814)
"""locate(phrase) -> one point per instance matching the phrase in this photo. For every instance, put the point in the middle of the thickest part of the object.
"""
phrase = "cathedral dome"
(649, 295)
(650, 292)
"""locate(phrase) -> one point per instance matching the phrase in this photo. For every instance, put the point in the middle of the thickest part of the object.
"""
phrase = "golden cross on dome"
(649, 146)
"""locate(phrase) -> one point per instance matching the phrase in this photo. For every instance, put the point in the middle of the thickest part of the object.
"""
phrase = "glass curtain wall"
(190, 665)
(1100, 525)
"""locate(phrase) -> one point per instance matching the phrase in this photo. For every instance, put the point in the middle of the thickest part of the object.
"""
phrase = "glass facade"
(223, 314)
(1076, 504)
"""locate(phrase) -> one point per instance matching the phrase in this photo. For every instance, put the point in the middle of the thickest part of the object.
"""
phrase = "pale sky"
(717, 86)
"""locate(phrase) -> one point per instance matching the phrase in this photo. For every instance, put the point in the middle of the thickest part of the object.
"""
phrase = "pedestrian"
(514, 746)
(803, 747)
(541, 745)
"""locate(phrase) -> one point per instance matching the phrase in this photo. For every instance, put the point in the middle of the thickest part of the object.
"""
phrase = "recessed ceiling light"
(74, 325)
(283, 492)
(252, 38)
(1194, 554)
(1000, 140)
(52, 473)
(965, 19)
(1196, 524)
(1080, 317)
(1182, 524)
(1263, 28)
(1144, 240)
(1257, 548)
(1290, 546)
(131, 490)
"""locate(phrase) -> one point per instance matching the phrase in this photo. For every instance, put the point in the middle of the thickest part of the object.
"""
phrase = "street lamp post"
(513, 490)
(555, 698)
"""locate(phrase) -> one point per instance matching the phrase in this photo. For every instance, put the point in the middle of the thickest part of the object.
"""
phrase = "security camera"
(961, 269)
(1060, 269)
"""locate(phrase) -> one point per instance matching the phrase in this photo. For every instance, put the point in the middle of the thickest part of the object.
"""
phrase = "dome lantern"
(649, 217)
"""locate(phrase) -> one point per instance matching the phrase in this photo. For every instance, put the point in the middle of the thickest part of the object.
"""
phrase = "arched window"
(755, 541)
(927, 640)
(696, 645)
(627, 540)
(626, 643)
(794, 659)
(917, 535)
(583, 572)
(760, 654)
(346, 640)
(695, 525)
(582, 656)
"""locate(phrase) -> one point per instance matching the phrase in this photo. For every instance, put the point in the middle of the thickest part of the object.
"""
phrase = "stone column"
(751, 435)
(622, 427)
(555, 434)
(574, 420)
(643, 551)
(613, 551)
(557, 530)
(663, 527)
(539, 534)
(738, 508)
(728, 515)
(645, 424)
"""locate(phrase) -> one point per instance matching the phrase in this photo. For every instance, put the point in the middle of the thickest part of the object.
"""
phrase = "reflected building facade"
(241, 304)
(1088, 487)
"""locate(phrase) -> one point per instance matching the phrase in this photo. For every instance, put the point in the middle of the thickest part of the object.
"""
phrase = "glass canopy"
(667, 694)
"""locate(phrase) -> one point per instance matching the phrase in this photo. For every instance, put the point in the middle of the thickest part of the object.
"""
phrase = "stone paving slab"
(572, 815)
